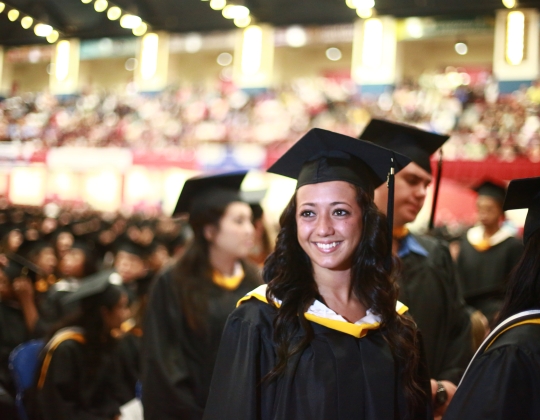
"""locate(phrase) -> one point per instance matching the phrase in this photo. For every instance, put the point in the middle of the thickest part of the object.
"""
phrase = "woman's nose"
(324, 226)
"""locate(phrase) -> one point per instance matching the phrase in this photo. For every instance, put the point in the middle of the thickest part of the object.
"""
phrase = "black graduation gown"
(13, 331)
(483, 275)
(429, 288)
(337, 377)
(69, 393)
(177, 363)
(504, 382)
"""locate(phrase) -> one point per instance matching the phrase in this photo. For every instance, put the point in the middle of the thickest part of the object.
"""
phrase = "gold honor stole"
(332, 320)
(58, 339)
(229, 283)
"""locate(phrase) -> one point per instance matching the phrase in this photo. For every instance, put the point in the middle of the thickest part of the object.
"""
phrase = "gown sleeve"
(499, 385)
(166, 391)
(245, 356)
(60, 397)
(459, 345)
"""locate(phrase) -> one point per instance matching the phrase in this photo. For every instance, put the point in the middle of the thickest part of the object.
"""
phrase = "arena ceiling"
(75, 19)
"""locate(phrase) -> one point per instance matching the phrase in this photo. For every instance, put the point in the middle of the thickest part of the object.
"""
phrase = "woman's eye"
(306, 213)
(341, 212)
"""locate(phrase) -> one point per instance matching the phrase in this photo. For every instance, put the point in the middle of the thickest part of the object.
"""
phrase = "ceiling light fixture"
(509, 4)
(130, 21)
(114, 13)
(140, 30)
(2, 6)
(13, 15)
(101, 5)
(242, 22)
(53, 37)
(26, 22)
(43, 30)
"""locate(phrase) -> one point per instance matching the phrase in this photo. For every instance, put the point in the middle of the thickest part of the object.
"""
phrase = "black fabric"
(205, 191)
(70, 393)
(13, 331)
(129, 366)
(502, 383)
(429, 288)
(416, 144)
(322, 156)
(525, 193)
(483, 275)
(177, 363)
(338, 376)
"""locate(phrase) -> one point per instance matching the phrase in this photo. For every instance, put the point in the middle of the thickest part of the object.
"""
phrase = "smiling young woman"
(326, 337)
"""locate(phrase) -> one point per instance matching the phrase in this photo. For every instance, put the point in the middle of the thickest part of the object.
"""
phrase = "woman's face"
(235, 234)
(72, 264)
(114, 317)
(46, 260)
(329, 223)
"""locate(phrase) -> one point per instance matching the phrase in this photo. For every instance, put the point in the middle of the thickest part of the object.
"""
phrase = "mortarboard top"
(522, 194)
(20, 267)
(95, 285)
(416, 144)
(491, 189)
(207, 191)
(127, 245)
(323, 156)
(28, 249)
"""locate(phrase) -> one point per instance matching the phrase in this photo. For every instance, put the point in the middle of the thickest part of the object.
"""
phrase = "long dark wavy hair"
(193, 271)
(288, 272)
(523, 290)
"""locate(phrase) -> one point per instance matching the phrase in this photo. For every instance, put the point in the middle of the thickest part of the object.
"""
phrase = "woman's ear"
(210, 232)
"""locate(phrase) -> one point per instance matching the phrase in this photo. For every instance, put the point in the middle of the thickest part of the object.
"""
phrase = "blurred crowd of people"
(482, 123)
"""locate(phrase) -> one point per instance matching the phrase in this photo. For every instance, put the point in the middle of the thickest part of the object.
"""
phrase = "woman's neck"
(335, 288)
(222, 261)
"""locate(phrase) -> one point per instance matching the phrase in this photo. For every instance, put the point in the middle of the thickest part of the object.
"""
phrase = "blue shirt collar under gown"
(410, 244)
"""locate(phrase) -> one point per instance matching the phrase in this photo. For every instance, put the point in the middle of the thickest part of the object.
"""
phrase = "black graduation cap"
(20, 267)
(491, 189)
(29, 249)
(97, 286)
(323, 156)
(521, 194)
(134, 248)
(205, 191)
(416, 144)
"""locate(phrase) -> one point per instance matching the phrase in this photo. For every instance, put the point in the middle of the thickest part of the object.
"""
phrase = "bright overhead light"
(364, 13)
(140, 30)
(114, 13)
(130, 21)
(242, 22)
(515, 38)
(43, 30)
(53, 37)
(13, 15)
(233, 11)
(333, 54)
(225, 59)
(218, 4)
(26, 22)
(101, 5)
(509, 4)
(461, 48)
(295, 36)
(86, 1)
(2, 6)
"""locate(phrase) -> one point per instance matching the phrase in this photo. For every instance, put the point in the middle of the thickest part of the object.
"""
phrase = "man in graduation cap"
(19, 321)
(488, 253)
(503, 380)
(428, 281)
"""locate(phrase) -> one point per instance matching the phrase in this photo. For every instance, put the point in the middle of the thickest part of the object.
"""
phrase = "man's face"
(410, 190)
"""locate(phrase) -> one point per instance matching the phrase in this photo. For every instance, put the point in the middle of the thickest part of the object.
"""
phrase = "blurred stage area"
(117, 116)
